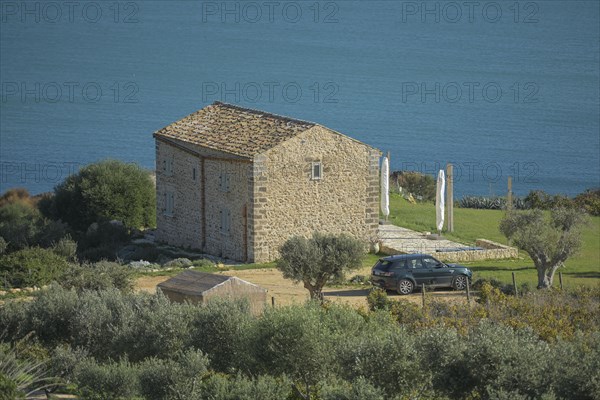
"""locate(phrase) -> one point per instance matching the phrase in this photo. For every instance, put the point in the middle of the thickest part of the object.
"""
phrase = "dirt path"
(287, 292)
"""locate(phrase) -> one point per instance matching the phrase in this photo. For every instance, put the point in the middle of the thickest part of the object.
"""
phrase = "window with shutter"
(316, 171)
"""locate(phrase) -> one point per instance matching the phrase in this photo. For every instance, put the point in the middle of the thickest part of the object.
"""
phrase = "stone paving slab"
(398, 240)
(404, 240)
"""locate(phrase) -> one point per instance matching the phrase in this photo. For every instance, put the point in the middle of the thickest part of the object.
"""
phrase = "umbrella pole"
(388, 157)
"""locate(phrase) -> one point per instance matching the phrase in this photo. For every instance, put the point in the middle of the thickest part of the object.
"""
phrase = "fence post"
(423, 294)
(560, 280)
(273, 301)
(514, 284)
(468, 292)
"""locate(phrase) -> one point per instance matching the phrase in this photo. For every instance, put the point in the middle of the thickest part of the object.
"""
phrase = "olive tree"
(318, 260)
(549, 240)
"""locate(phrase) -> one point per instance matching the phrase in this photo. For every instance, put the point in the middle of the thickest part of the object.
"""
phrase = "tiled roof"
(193, 282)
(232, 129)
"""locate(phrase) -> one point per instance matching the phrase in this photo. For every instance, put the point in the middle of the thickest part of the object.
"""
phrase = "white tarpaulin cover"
(439, 200)
(385, 187)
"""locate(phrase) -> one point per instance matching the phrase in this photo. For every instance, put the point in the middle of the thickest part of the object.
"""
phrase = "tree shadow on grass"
(347, 293)
(582, 274)
(513, 269)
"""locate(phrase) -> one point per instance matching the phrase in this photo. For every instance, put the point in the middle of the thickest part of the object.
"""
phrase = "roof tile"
(232, 129)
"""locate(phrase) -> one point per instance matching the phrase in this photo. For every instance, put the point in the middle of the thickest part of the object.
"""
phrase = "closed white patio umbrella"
(439, 201)
(385, 188)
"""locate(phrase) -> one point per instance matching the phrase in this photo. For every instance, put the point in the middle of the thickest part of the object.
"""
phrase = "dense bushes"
(491, 203)
(422, 186)
(98, 276)
(21, 225)
(551, 315)
(588, 201)
(31, 267)
(104, 191)
(143, 346)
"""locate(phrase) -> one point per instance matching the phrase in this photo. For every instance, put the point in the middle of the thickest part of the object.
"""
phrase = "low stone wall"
(491, 251)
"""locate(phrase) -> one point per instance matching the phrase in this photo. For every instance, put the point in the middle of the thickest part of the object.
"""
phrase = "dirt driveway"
(287, 292)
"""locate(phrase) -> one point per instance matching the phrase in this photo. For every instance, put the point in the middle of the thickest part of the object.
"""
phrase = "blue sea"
(498, 88)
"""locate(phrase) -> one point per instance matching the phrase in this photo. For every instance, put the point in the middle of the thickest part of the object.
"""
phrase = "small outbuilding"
(199, 287)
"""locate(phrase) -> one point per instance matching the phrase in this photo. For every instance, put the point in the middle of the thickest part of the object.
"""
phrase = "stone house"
(237, 183)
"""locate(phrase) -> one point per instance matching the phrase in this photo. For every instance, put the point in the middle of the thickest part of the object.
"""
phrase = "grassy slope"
(470, 224)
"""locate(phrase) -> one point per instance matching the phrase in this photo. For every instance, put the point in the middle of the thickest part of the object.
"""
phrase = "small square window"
(316, 171)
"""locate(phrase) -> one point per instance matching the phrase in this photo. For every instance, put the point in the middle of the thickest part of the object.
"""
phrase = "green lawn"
(471, 224)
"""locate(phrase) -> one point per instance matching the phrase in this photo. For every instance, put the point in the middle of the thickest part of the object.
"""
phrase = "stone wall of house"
(183, 227)
(287, 202)
(227, 201)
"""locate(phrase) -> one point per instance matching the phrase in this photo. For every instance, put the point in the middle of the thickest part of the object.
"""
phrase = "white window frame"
(312, 171)
(169, 203)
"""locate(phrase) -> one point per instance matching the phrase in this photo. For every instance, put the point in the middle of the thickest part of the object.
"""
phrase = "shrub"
(98, 276)
(263, 387)
(66, 248)
(203, 263)
(219, 330)
(3, 245)
(378, 300)
(148, 326)
(19, 225)
(104, 191)
(493, 282)
(32, 267)
(140, 252)
(19, 378)
(491, 203)
(575, 367)
(421, 185)
(480, 202)
(102, 241)
(386, 358)
(359, 389)
(64, 360)
(16, 195)
(291, 342)
(495, 356)
(113, 380)
(544, 201)
(102, 252)
(50, 233)
(174, 378)
(178, 263)
(589, 201)
(51, 315)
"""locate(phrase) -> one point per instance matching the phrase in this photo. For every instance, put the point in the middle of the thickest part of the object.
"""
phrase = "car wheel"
(405, 286)
(460, 282)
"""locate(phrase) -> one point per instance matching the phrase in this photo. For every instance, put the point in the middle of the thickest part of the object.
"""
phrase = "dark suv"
(405, 272)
